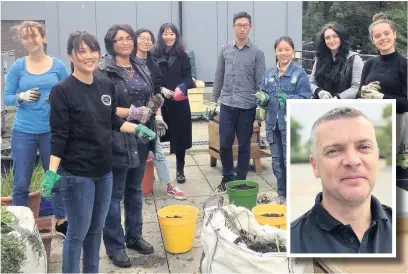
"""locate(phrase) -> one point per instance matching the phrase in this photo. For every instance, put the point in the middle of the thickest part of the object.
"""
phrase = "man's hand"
(372, 91)
(161, 126)
(141, 114)
(32, 95)
(144, 133)
(167, 93)
(324, 95)
(211, 110)
(262, 99)
(50, 179)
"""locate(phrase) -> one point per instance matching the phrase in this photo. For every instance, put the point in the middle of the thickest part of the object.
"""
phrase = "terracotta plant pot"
(46, 227)
(147, 183)
(34, 200)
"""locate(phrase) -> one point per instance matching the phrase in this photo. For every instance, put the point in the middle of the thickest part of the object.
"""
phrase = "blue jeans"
(277, 145)
(240, 122)
(24, 152)
(127, 184)
(87, 203)
(161, 164)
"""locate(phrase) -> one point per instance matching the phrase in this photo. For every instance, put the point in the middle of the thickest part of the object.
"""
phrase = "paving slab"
(192, 187)
(185, 263)
(171, 159)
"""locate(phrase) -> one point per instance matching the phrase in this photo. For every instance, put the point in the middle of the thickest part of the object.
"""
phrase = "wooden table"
(214, 145)
(374, 265)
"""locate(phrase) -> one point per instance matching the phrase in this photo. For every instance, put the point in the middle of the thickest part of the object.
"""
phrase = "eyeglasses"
(121, 40)
(240, 26)
(145, 40)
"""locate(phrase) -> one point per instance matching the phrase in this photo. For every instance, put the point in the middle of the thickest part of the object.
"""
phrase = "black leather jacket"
(124, 146)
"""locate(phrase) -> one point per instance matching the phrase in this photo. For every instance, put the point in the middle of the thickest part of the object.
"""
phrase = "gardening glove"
(180, 93)
(282, 97)
(32, 95)
(324, 95)
(167, 93)
(144, 133)
(155, 102)
(50, 179)
(141, 114)
(211, 110)
(161, 126)
(371, 91)
(260, 114)
(262, 99)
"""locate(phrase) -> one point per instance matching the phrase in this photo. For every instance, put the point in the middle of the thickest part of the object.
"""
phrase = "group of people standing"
(96, 127)
(242, 83)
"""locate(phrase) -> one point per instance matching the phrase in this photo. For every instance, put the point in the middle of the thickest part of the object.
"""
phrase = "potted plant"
(34, 198)
(21, 247)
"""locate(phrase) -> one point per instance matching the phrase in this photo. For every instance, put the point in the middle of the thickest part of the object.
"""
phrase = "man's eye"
(365, 148)
(332, 151)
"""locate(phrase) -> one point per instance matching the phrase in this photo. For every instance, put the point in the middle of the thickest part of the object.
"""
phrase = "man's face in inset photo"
(346, 158)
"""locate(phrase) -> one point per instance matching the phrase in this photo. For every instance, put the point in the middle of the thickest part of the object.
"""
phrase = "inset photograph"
(341, 178)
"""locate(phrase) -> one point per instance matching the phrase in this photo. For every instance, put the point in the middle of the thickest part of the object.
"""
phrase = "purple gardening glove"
(155, 102)
(141, 114)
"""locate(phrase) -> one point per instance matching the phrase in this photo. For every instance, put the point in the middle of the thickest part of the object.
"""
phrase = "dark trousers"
(239, 122)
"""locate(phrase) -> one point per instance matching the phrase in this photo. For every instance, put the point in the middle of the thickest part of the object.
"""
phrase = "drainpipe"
(180, 4)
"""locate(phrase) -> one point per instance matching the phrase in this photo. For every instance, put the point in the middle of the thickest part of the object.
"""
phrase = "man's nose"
(351, 158)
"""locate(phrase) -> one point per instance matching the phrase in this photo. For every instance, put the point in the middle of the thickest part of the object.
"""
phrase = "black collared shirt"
(317, 231)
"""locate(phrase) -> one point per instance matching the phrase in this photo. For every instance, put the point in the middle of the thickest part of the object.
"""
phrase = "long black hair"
(77, 38)
(160, 47)
(326, 68)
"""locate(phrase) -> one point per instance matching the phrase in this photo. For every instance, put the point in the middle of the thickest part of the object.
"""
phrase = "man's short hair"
(242, 14)
(332, 115)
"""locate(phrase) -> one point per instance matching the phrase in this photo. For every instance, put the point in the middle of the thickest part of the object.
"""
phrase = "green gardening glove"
(262, 99)
(144, 133)
(282, 97)
(50, 179)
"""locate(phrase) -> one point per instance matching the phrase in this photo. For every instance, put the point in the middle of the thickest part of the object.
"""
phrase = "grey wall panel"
(269, 24)
(146, 18)
(223, 24)
(36, 10)
(175, 13)
(294, 22)
(200, 35)
(74, 16)
(109, 13)
(235, 7)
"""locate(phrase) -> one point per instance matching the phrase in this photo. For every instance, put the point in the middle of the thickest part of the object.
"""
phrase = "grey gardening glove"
(155, 102)
(161, 126)
(141, 114)
(324, 95)
(372, 91)
(167, 93)
(32, 95)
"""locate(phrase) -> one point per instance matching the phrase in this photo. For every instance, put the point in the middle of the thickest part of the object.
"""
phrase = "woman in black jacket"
(133, 82)
(175, 67)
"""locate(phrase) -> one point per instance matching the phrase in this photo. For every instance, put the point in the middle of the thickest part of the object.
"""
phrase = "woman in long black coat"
(175, 67)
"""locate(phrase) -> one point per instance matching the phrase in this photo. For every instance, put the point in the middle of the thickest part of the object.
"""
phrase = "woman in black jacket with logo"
(133, 82)
(175, 67)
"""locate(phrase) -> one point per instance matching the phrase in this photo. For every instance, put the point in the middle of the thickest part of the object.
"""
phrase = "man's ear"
(313, 162)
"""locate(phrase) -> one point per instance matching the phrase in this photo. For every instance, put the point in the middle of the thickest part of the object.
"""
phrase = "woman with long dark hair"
(337, 70)
(83, 114)
(29, 83)
(134, 80)
(175, 67)
(285, 81)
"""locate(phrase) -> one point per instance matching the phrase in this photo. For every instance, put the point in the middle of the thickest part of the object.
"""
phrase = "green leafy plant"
(7, 179)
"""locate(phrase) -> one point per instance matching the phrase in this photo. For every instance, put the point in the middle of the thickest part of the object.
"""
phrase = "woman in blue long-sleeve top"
(285, 81)
(28, 85)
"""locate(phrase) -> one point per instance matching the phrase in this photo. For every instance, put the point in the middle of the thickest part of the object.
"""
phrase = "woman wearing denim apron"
(285, 81)
(28, 85)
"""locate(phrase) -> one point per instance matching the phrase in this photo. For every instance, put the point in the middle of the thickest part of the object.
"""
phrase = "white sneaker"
(176, 193)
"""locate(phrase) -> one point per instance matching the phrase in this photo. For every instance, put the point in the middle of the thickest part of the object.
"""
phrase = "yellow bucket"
(178, 233)
(279, 222)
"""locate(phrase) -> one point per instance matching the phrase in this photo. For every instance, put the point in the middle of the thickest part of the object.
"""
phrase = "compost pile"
(259, 245)
(243, 187)
(174, 217)
(272, 215)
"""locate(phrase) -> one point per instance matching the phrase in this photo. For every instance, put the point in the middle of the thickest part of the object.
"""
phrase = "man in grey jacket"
(241, 65)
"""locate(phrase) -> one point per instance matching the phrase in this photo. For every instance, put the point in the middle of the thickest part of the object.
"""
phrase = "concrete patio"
(201, 182)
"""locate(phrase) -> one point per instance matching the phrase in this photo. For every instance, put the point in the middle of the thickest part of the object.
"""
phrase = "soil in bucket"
(175, 216)
(272, 215)
(243, 193)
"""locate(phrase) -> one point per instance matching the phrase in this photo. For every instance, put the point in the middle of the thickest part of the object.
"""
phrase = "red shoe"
(176, 193)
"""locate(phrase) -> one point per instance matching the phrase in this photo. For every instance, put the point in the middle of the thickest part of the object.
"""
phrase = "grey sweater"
(351, 92)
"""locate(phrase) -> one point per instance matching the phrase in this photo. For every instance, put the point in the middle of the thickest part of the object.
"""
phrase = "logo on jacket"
(106, 99)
